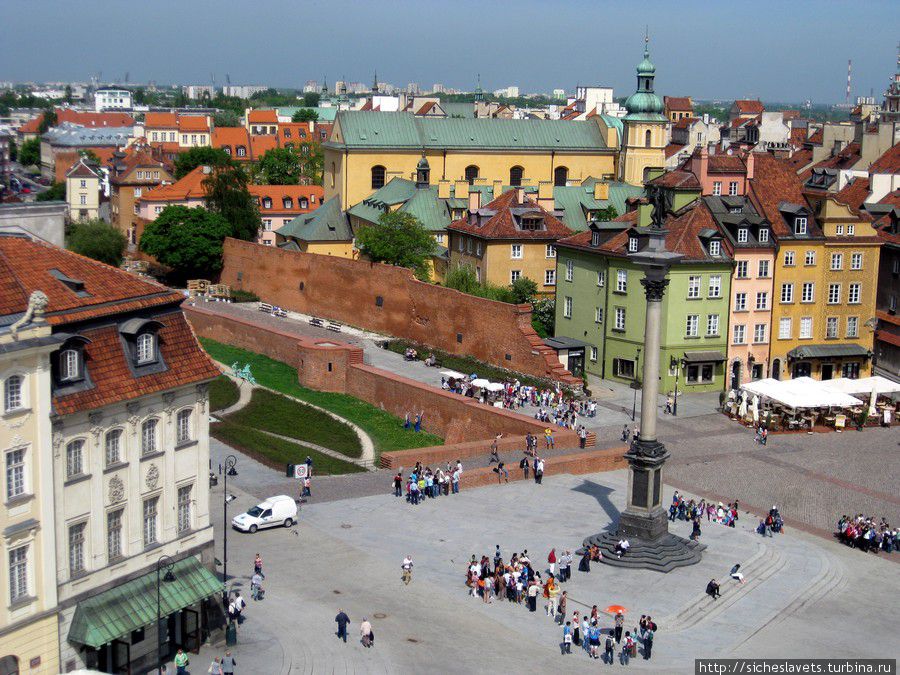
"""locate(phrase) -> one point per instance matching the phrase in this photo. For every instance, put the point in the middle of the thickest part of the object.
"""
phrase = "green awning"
(828, 351)
(113, 614)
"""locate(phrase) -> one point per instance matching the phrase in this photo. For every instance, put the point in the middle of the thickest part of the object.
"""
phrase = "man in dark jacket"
(342, 620)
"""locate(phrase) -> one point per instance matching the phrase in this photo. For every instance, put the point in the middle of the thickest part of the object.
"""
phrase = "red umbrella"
(615, 609)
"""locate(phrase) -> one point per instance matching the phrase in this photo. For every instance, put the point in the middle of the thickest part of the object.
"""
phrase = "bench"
(315, 321)
(336, 327)
(265, 307)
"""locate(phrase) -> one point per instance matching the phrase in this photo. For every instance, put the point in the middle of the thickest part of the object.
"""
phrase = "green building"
(600, 300)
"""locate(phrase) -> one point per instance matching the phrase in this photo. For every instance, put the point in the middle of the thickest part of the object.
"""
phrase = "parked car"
(43, 180)
(273, 512)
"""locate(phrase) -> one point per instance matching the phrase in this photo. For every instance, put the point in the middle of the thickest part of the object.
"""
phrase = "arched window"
(378, 177)
(183, 426)
(515, 176)
(146, 348)
(75, 458)
(12, 393)
(776, 369)
(560, 176)
(148, 436)
(69, 365)
(647, 138)
(471, 174)
(113, 447)
(9, 665)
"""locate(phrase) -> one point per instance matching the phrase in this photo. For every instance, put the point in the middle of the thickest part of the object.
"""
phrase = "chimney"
(444, 189)
(520, 195)
(545, 195)
(703, 169)
(474, 201)
(601, 190)
(460, 188)
(498, 188)
(750, 165)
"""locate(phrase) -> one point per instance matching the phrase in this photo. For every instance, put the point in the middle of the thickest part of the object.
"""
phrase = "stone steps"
(663, 555)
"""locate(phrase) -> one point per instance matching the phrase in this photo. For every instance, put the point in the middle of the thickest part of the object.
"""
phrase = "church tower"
(890, 109)
(643, 145)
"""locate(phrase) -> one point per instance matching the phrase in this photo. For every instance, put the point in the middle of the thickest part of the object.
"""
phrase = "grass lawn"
(275, 452)
(223, 393)
(386, 430)
(281, 415)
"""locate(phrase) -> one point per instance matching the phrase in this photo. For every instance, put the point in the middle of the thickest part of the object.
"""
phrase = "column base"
(660, 555)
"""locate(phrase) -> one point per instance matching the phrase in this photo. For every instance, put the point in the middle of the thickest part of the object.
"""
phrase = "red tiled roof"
(685, 122)
(299, 133)
(724, 163)
(678, 103)
(262, 117)
(774, 181)
(82, 118)
(112, 379)
(798, 135)
(231, 138)
(81, 170)
(854, 193)
(790, 115)
(425, 109)
(844, 159)
(800, 159)
(260, 144)
(673, 149)
(189, 186)
(746, 106)
(161, 120)
(502, 224)
(677, 179)
(191, 123)
(312, 193)
(888, 163)
(816, 137)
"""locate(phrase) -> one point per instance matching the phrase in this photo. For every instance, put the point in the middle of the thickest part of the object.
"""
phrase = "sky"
(786, 51)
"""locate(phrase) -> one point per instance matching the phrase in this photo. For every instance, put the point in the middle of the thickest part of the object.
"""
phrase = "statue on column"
(659, 200)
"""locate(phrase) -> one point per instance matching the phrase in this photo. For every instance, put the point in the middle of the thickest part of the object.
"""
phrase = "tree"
(200, 156)
(607, 214)
(311, 99)
(543, 317)
(312, 162)
(13, 150)
(139, 96)
(398, 239)
(189, 240)
(523, 290)
(30, 152)
(54, 193)
(228, 194)
(280, 166)
(68, 96)
(305, 115)
(98, 240)
(226, 118)
(48, 119)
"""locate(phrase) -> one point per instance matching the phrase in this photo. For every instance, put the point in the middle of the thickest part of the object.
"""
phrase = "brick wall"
(591, 461)
(390, 300)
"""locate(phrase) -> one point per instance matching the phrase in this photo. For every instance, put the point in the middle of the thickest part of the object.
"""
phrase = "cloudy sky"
(780, 51)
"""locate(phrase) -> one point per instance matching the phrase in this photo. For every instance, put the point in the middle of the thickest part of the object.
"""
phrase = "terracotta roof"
(260, 144)
(262, 117)
(231, 138)
(193, 123)
(189, 186)
(747, 106)
(685, 122)
(502, 224)
(94, 289)
(816, 137)
(425, 109)
(299, 133)
(844, 159)
(774, 182)
(888, 163)
(724, 163)
(800, 159)
(80, 169)
(854, 193)
(81, 118)
(63, 161)
(312, 193)
(798, 135)
(790, 115)
(678, 103)
(673, 149)
(677, 179)
(161, 120)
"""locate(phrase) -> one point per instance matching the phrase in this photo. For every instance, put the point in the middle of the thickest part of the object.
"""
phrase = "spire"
(375, 83)
(479, 93)
(324, 84)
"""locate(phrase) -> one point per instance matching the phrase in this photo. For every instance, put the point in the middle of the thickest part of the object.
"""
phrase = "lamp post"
(635, 384)
(230, 462)
(167, 563)
(674, 363)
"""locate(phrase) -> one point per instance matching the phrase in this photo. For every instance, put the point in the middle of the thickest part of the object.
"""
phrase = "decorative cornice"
(654, 289)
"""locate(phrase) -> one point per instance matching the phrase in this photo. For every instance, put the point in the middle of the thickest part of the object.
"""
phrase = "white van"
(275, 511)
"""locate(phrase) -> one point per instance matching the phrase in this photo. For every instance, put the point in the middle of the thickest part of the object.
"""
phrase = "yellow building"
(325, 231)
(367, 149)
(644, 137)
(83, 191)
(29, 633)
(511, 237)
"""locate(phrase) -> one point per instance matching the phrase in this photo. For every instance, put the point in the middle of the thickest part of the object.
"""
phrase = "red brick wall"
(592, 461)
(347, 291)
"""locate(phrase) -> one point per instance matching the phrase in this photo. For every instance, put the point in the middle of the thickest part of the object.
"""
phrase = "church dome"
(643, 102)
(646, 66)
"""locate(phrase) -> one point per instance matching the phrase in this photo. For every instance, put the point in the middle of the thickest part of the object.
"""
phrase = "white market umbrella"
(742, 411)
(480, 382)
(453, 374)
(754, 409)
(873, 399)
(493, 386)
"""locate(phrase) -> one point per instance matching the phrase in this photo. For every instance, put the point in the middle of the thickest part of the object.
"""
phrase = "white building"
(242, 90)
(112, 99)
(197, 91)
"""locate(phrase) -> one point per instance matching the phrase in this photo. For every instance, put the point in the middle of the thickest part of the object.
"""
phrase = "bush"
(98, 240)
(463, 278)
(244, 296)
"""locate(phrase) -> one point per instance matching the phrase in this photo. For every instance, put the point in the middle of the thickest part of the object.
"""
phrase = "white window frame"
(854, 293)
(762, 301)
(184, 426)
(715, 248)
(16, 471)
(14, 393)
(149, 436)
(743, 235)
(806, 328)
(789, 258)
(550, 252)
(570, 269)
(515, 251)
(620, 318)
(839, 230)
(550, 277)
(632, 244)
(787, 293)
(732, 188)
(77, 545)
(601, 278)
(809, 259)
(712, 325)
(837, 261)
(785, 328)
(717, 188)
(598, 315)
(800, 225)
(112, 446)
(834, 294)
(763, 235)
(762, 269)
(150, 521)
(856, 260)
(714, 288)
(851, 230)
(114, 540)
(852, 326)
(692, 325)
(145, 348)
(69, 365)
(739, 334)
(621, 281)
(17, 568)
(567, 306)
(593, 354)
(514, 276)
(831, 328)
(740, 269)
(759, 334)
(184, 512)
(75, 460)
(808, 291)
(740, 302)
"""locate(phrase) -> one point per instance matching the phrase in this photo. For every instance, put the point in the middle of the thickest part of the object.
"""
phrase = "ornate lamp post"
(636, 384)
(230, 462)
(167, 563)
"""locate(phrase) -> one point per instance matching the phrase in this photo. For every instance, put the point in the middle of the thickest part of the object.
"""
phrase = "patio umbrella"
(742, 411)
(873, 399)
(480, 382)
(615, 609)
(754, 409)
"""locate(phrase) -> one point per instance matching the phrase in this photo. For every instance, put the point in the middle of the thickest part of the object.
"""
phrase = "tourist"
(407, 566)
(619, 623)
(365, 632)
(695, 529)
(228, 663)
(257, 566)
(406, 422)
(648, 643)
(609, 649)
(576, 628)
(621, 549)
(533, 589)
(626, 433)
(419, 419)
(712, 589)
(565, 566)
(525, 465)
(181, 662)
(455, 480)
(539, 471)
(567, 638)
(582, 437)
(256, 590)
(867, 534)
(562, 606)
(342, 621)
(585, 564)
(398, 484)
(736, 573)
(495, 456)
(548, 438)
(594, 639)
(239, 605)
(551, 561)
(502, 473)
(307, 488)
(628, 648)
(215, 668)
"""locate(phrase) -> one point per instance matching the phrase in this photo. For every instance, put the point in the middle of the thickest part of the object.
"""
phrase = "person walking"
(552, 595)
(567, 638)
(582, 437)
(619, 623)
(561, 607)
(539, 471)
(533, 589)
(609, 649)
(525, 465)
(648, 644)
(695, 529)
(365, 632)
(455, 480)
(239, 605)
(551, 561)
(215, 668)
(257, 566)
(181, 662)
(627, 648)
(342, 621)
(398, 484)
(228, 663)
(407, 566)
(548, 438)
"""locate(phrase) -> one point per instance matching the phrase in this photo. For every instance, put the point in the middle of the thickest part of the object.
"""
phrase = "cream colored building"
(83, 191)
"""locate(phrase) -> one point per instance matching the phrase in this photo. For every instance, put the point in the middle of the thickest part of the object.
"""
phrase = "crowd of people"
(694, 511)
(424, 483)
(773, 523)
(864, 533)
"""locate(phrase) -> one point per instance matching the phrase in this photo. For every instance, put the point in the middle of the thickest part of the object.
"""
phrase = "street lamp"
(673, 363)
(167, 563)
(230, 462)
(635, 385)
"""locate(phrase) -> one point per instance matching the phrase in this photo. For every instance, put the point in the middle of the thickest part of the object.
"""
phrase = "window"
(598, 315)
(593, 354)
(837, 261)
(601, 278)
(700, 373)
(184, 508)
(834, 294)
(856, 261)
(12, 393)
(378, 173)
(632, 244)
(550, 252)
(303, 203)
(267, 202)
(807, 292)
(763, 271)
(762, 300)
(784, 328)
(740, 302)
(800, 225)
(733, 188)
(193, 139)
(787, 292)
(516, 251)
(287, 203)
(715, 248)
(114, 534)
(69, 365)
(83, 183)
(763, 235)
(76, 548)
(83, 200)
(810, 258)
(560, 176)
(692, 326)
(831, 327)
(146, 348)
(717, 188)
(712, 325)
(113, 447)
(183, 426)
(759, 333)
(788, 258)
(625, 368)
(15, 473)
(805, 327)
(693, 287)
(853, 294)
(648, 139)
(151, 521)
(620, 318)
(18, 573)
(567, 307)
(477, 247)
(514, 276)
(471, 174)
(851, 230)
(852, 326)
(184, 139)
(595, 238)
(148, 437)
(570, 270)
(742, 235)
(242, 152)
(715, 285)
(74, 458)
(515, 176)
(839, 230)
(740, 271)
(622, 281)
(267, 224)
(550, 277)
(739, 334)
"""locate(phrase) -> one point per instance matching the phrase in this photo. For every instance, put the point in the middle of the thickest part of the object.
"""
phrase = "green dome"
(643, 102)
(646, 66)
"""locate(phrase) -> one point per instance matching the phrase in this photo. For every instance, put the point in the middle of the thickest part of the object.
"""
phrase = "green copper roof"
(578, 201)
(646, 67)
(423, 203)
(325, 114)
(431, 211)
(326, 223)
(617, 124)
(400, 130)
(644, 103)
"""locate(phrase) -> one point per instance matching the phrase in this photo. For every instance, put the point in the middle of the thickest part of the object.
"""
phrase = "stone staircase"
(664, 555)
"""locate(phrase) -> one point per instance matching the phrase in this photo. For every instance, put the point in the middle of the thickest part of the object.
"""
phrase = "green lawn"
(275, 452)
(386, 430)
(223, 393)
(283, 416)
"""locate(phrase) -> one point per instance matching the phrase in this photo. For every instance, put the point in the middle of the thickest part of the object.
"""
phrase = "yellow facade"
(35, 645)
(339, 249)
(83, 197)
(494, 263)
(640, 151)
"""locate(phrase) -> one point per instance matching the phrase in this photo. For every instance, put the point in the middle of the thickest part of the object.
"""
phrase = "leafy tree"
(280, 166)
(30, 152)
(543, 317)
(54, 193)
(607, 214)
(311, 99)
(398, 239)
(99, 240)
(523, 290)
(48, 119)
(189, 240)
(200, 156)
(13, 150)
(462, 278)
(305, 115)
(226, 118)
(312, 162)
(181, 99)
(228, 194)
(139, 96)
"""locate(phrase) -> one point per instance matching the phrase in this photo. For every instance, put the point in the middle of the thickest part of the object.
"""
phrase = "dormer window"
(735, 209)
(763, 235)
(800, 225)
(595, 238)
(632, 244)
(742, 235)
(287, 133)
(227, 149)
(715, 248)
(304, 204)
(146, 348)
(532, 222)
(241, 151)
(70, 366)
(267, 202)
(287, 203)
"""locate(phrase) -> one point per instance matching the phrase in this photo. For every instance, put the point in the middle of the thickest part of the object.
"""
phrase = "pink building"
(721, 174)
